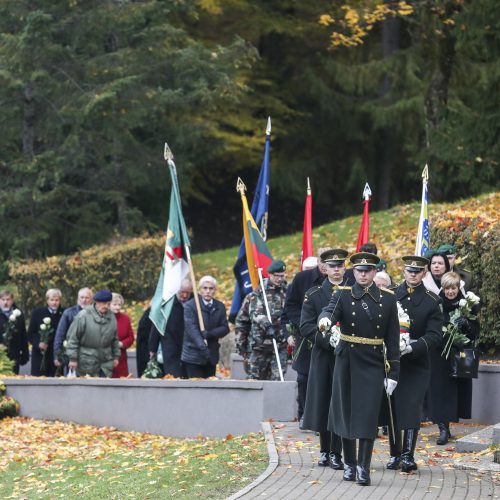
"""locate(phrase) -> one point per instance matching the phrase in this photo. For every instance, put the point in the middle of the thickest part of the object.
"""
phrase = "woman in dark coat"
(10, 315)
(53, 311)
(451, 398)
(141, 342)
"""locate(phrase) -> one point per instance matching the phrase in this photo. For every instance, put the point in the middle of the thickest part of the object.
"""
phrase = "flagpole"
(420, 235)
(268, 313)
(169, 157)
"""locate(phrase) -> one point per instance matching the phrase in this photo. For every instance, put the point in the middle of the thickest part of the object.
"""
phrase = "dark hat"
(334, 256)
(276, 266)
(364, 261)
(447, 249)
(415, 263)
(103, 296)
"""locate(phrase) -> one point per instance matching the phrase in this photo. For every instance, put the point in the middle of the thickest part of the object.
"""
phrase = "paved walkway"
(298, 476)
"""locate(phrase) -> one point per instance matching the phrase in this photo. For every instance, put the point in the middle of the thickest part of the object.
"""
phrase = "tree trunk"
(29, 121)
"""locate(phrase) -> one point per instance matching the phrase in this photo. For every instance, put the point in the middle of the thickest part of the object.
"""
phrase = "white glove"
(390, 385)
(407, 350)
(324, 324)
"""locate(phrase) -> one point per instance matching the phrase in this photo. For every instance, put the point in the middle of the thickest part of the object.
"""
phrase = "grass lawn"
(42, 460)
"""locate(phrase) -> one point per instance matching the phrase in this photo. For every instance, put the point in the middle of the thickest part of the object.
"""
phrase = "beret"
(103, 296)
(276, 266)
(447, 249)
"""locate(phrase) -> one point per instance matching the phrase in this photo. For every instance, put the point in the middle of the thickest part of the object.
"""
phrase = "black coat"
(319, 384)
(141, 342)
(450, 398)
(303, 281)
(18, 349)
(36, 320)
(358, 377)
(426, 322)
(194, 349)
(171, 340)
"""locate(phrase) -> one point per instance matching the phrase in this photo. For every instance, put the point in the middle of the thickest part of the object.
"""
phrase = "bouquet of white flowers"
(451, 331)
(404, 328)
(46, 335)
(11, 327)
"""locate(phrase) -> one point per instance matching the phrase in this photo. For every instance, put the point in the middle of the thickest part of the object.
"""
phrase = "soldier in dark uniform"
(322, 359)
(451, 253)
(368, 319)
(426, 322)
(293, 307)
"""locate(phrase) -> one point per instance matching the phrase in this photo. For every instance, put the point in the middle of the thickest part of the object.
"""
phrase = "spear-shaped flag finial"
(367, 192)
(240, 186)
(167, 153)
(425, 173)
(268, 128)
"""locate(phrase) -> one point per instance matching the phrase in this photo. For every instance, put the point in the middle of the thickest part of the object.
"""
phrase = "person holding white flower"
(450, 397)
(319, 385)
(41, 334)
(13, 330)
(423, 310)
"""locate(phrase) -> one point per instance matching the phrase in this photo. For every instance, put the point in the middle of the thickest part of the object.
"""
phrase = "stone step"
(478, 441)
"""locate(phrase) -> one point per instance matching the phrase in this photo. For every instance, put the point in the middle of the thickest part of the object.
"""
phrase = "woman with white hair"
(200, 348)
(41, 334)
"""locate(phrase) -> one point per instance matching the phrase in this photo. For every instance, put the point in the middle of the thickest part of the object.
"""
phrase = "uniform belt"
(360, 340)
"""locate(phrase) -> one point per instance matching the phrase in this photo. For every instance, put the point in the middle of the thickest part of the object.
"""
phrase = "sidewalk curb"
(273, 462)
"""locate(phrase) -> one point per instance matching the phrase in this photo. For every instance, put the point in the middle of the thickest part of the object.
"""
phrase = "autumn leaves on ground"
(60, 460)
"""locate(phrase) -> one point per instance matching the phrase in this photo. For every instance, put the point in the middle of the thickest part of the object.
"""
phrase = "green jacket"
(93, 342)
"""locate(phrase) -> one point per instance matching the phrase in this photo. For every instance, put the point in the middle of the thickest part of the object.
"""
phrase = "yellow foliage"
(326, 20)
(210, 6)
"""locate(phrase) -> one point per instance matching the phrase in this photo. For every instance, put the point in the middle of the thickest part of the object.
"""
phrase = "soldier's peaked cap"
(364, 261)
(414, 263)
(276, 266)
(334, 255)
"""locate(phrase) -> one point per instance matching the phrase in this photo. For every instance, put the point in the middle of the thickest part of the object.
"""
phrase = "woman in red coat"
(125, 335)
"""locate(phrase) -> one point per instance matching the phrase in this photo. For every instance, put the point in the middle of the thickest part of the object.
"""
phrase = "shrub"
(476, 235)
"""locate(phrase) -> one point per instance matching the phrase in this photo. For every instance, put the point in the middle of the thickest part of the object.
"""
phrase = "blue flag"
(259, 213)
(423, 237)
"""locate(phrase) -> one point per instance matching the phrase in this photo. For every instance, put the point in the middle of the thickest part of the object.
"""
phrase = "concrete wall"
(486, 395)
(178, 408)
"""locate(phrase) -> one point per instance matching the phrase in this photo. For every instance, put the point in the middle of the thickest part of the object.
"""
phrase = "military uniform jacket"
(358, 378)
(252, 322)
(319, 385)
(426, 322)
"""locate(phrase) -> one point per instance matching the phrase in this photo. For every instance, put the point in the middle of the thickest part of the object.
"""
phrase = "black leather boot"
(324, 448)
(349, 447)
(364, 459)
(407, 456)
(444, 433)
(336, 452)
(394, 462)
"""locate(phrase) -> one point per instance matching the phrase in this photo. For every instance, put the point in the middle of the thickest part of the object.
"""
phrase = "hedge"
(476, 236)
(130, 268)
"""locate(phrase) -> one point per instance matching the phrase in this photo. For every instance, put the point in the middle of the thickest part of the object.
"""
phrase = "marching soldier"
(368, 319)
(426, 321)
(322, 359)
(254, 331)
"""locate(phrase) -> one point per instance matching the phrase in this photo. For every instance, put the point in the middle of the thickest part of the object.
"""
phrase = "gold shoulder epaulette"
(432, 294)
(342, 288)
(384, 289)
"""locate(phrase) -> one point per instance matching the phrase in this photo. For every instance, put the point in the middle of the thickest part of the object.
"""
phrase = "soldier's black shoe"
(349, 472)
(408, 464)
(444, 434)
(363, 475)
(301, 423)
(409, 442)
(324, 460)
(336, 461)
(394, 463)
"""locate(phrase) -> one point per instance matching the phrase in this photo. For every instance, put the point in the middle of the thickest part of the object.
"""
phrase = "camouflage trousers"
(263, 364)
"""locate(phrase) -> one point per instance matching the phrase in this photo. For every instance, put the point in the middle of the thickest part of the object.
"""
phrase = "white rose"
(65, 343)
(46, 321)
(43, 327)
(462, 303)
(473, 297)
(12, 317)
(16, 313)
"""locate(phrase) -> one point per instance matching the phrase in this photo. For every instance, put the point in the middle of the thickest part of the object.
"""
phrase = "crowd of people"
(342, 328)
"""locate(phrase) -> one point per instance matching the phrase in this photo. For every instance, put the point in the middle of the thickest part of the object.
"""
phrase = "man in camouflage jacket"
(255, 332)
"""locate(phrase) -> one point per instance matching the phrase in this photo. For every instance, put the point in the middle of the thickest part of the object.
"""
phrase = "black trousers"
(301, 392)
(200, 371)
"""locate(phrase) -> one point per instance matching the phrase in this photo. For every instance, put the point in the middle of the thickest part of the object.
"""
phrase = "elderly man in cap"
(93, 347)
(368, 319)
(322, 358)
(302, 282)
(426, 320)
(451, 253)
(255, 332)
